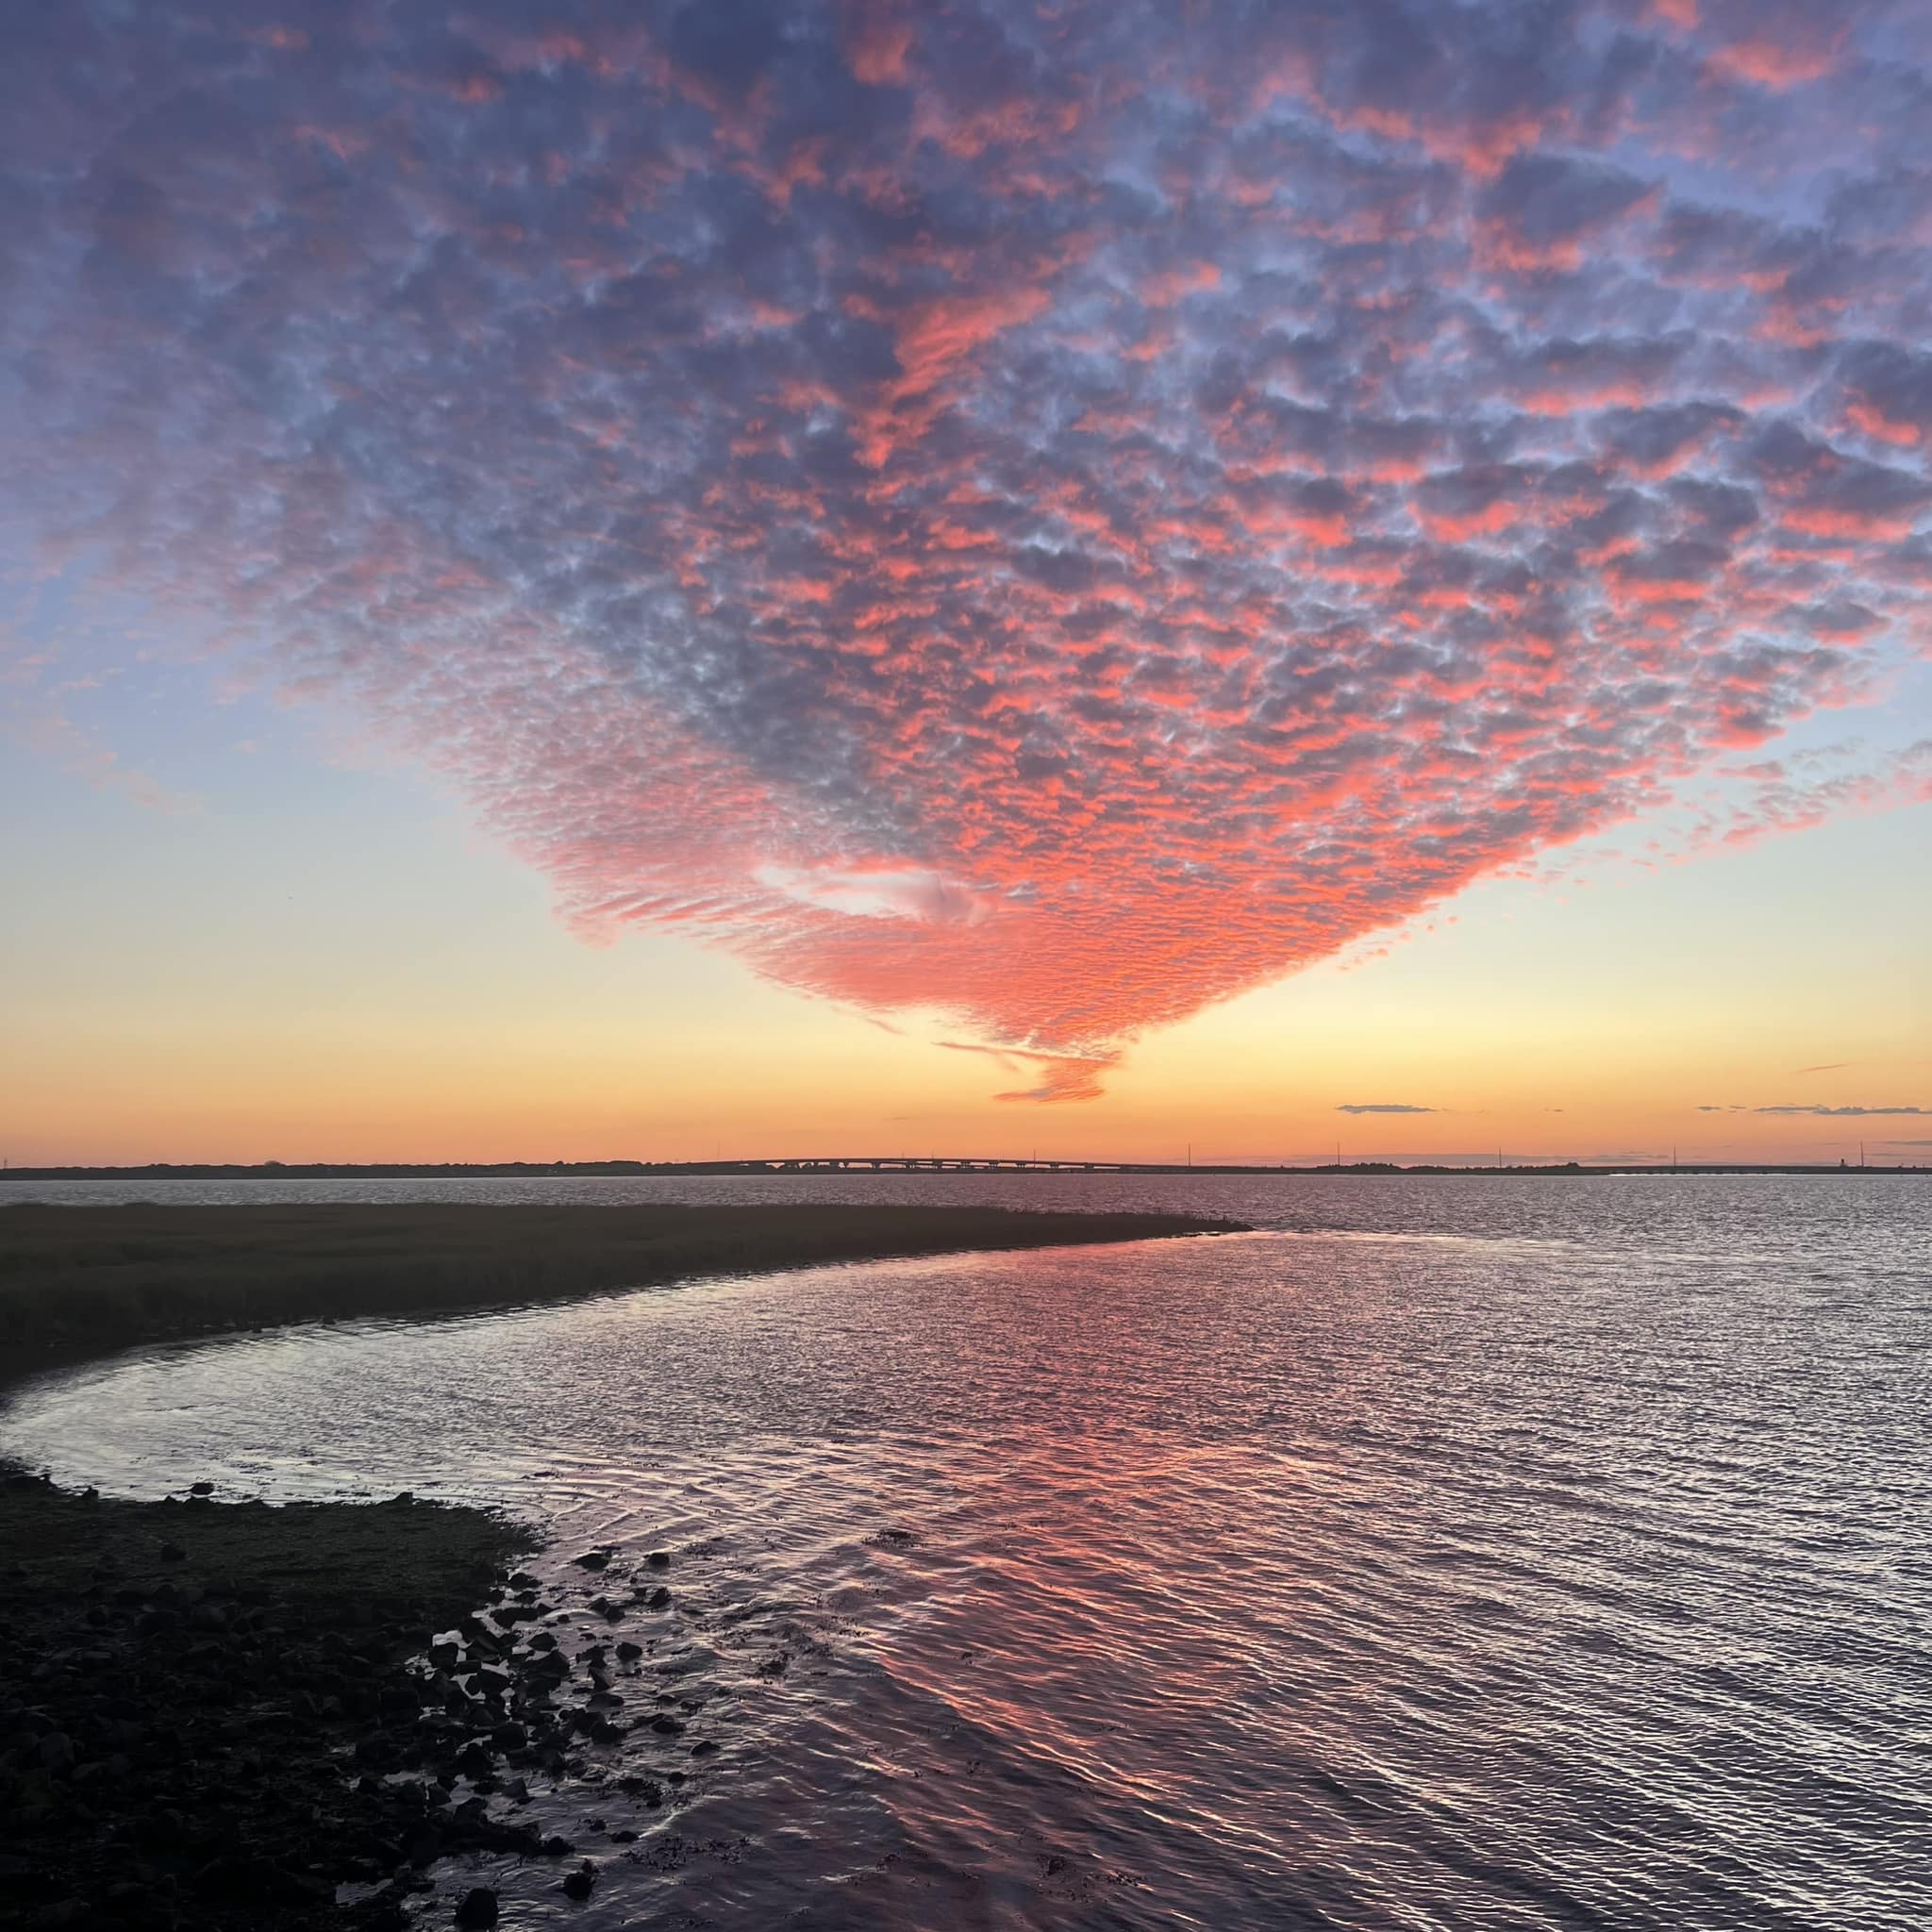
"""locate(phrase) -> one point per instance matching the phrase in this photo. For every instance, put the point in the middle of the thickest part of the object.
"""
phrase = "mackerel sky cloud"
(1053, 515)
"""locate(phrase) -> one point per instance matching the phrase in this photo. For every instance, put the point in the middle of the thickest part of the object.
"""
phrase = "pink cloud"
(739, 452)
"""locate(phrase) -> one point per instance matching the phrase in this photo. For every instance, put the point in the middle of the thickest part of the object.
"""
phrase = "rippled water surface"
(1448, 1554)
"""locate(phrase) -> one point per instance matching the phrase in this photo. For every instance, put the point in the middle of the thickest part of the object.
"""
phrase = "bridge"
(926, 1163)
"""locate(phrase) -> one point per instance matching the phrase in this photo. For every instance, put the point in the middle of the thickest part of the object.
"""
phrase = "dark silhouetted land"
(94, 1278)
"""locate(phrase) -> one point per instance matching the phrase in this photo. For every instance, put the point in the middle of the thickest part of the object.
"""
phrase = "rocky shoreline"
(233, 1715)
(216, 1713)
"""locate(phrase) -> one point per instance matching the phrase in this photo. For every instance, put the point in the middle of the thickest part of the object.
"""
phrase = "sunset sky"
(637, 581)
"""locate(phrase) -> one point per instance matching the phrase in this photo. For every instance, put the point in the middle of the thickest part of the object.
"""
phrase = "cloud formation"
(1843, 1112)
(1382, 1106)
(1822, 1112)
(1055, 514)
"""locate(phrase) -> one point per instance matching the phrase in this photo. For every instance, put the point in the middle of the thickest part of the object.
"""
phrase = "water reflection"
(1549, 1578)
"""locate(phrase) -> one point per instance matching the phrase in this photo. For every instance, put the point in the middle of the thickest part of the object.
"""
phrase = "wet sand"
(215, 1713)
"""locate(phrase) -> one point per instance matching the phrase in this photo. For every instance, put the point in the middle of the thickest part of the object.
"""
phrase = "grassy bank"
(94, 1278)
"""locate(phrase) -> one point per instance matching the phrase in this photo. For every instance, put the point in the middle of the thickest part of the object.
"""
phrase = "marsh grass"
(87, 1279)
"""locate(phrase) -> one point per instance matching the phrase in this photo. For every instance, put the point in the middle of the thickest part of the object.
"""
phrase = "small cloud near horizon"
(1815, 1108)
(1841, 1112)
(1383, 1106)
(1830, 1066)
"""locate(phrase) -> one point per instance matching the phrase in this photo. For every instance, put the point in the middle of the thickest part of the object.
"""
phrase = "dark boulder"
(477, 1910)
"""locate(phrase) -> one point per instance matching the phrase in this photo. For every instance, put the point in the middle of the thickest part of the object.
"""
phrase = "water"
(1451, 1554)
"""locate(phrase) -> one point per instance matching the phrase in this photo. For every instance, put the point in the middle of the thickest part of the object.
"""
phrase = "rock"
(579, 1883)
(57, 1752)
(558, 1848)
(200, 1489)
(658, 1559)
(477, 1910)
(58, 1915)
(172, 1553)
(593, 1559)
(660, 1599)
(630, 1652)
(666, 1725)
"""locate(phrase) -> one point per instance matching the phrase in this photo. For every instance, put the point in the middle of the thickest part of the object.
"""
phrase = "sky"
(586, 581)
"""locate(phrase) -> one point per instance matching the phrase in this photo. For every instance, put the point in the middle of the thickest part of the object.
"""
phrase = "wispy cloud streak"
(1053, 515)
(1821, 1112)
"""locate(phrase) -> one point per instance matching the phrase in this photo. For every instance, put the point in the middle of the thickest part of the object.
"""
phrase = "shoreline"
(160, 1660)
(77, 1281)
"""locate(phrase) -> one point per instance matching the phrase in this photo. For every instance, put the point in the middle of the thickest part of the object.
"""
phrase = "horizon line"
(618, 1166)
